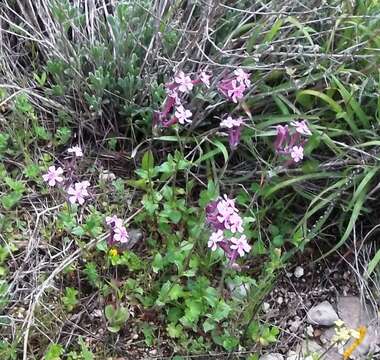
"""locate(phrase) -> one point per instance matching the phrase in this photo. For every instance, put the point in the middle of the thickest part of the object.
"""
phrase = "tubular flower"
(234, 87)
(221, 215)
(291, 141)
(234, 127)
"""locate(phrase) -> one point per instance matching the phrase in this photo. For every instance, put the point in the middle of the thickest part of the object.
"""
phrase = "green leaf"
(350, 100)
(54, 352)
(221, 311)
(147, 161)
(174, 331)
(175, 292)
(158, 263)
(10, 200)
(333, 105)
(273, 31)
(70, 299)
(230, 342)
(372, 264)
(209, 325)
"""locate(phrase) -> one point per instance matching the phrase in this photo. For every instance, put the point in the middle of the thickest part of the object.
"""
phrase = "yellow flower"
(112, 252)
(348, 352)
(339, 323)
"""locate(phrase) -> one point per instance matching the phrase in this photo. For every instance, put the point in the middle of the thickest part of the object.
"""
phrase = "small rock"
(238, 291)
(273, 356)
(322, 314)
(280, 300)
(266, 307)
(294, 325)
(298, 272)
(135, 236)
(310, 331)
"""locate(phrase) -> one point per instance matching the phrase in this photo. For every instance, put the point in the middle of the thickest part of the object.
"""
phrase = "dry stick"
(64, 264)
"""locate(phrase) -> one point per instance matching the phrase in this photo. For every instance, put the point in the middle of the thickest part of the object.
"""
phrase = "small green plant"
(54, 352)
(70, 299)
(116, 317)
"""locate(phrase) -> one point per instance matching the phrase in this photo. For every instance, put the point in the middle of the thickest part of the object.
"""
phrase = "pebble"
(273, 356)
(322, 314)
(266, 307)
(299, 272)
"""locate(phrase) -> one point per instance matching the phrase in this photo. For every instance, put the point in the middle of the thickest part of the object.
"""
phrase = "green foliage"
(116, 317)
(70, 299)
(95, 76)
(54, 352)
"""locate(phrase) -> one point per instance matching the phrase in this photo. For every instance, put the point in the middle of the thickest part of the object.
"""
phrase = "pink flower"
(282, 137)
(301, 127)
(240, 245)
(84, 184)
(234, 130)
(78, 192)
(205, 78)
(114, 221)
(121, 234)
(184, 82)
(173, 94)
(236, 92)
(53, 176)
(229, 123)
(214, 239)
(77, 150)
(235, 223)
(242, 77)
(183, 115)
(296, 153)
(225, 211)
(230, 202)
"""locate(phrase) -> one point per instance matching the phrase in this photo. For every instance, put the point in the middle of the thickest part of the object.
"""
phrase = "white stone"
(298, 272)
(266, 307)
(273, 356)
(322, 314)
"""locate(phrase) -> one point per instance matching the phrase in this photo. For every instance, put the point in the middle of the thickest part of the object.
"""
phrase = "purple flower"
(296, 153)
(53, 176)
(234, 127)
(183, 115)
(184, 82)
(230, 123)
(281, 138)
(235, 223)
(301, 127)
(78, 192)
(121, 234)
(205, 78)
(240, 245)
(212, 214)
(242, 77)
(214, 239)
(114, 221)
(236, 92)
(222, 214)
(77, 150)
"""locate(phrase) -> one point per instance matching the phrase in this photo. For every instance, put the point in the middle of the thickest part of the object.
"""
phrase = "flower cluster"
(291, 141)
(233, 87)
(173, 110)
(223, 215)
(234, 127)
(119, 233)
(77, 192)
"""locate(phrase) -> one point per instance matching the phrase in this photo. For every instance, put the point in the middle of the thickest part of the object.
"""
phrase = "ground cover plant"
(163, 164)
